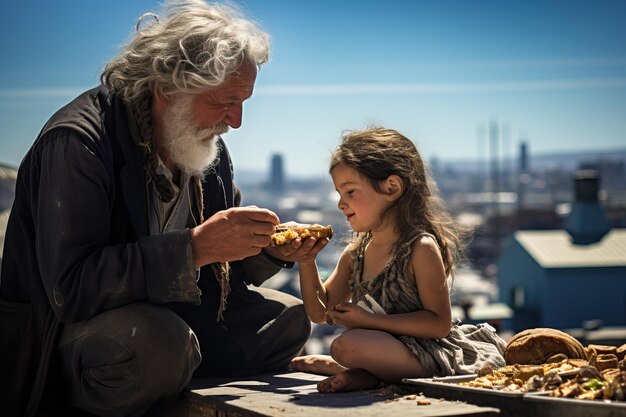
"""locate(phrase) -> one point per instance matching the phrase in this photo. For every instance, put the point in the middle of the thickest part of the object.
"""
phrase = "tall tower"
(482, 158)
(494, 148)
(277, 175)
(494, 145)
(523, 179)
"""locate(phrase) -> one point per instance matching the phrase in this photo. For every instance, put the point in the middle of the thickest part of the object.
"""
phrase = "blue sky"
(551, 72)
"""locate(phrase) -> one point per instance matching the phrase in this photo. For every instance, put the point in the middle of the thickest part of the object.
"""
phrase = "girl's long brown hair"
(376, 154)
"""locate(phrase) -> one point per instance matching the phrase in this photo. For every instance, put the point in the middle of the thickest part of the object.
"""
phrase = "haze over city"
(518, 106)
(552, 73)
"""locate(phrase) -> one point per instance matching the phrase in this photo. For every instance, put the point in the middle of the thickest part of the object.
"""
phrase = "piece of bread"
(535, 346)
(603, 349)
(606, 361)
(621, 352)
(285, 233)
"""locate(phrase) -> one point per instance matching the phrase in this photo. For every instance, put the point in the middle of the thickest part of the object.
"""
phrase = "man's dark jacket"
(77, 243)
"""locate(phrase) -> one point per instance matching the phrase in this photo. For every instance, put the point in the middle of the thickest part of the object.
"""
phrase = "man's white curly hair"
(191, 47)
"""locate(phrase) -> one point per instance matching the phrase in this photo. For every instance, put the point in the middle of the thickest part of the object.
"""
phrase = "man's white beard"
(192, 148)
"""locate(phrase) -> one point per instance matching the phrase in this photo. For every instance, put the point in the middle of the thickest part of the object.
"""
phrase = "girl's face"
(358, 200)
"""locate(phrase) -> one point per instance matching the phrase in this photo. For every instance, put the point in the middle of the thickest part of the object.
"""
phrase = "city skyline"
(551, 73)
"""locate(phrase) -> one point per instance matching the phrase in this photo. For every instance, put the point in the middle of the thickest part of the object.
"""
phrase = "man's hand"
(299, 250)
(233, 234)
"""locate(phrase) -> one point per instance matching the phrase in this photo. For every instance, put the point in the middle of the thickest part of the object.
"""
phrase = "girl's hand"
(349, 315)
(298, 250)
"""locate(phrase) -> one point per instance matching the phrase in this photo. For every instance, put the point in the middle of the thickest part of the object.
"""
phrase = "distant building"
(8, 177)
(561, 278)
(276, 181)
(613, 172)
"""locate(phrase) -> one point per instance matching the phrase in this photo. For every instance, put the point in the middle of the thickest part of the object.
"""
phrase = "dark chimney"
(587, 221)
(586, 186)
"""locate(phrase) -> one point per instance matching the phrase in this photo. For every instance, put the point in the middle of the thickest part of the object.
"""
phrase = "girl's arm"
(317, 295)
(435, 320)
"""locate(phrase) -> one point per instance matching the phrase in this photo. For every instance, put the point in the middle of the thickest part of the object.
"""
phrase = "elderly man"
(127, 259)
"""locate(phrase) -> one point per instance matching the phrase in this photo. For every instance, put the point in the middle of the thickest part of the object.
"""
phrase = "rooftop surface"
(554, 249)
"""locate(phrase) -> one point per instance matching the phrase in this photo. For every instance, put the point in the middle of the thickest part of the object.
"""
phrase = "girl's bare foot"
(316, 364)
(348, 380)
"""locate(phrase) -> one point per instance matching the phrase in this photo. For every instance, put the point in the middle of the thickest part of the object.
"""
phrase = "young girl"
(389, 288)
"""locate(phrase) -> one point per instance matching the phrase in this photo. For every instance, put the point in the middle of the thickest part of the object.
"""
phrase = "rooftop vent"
(587, 221)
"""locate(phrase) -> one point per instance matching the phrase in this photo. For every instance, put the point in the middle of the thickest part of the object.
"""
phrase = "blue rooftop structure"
(562, 278)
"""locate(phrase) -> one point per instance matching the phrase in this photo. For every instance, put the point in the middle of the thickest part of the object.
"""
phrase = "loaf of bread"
(535, 346)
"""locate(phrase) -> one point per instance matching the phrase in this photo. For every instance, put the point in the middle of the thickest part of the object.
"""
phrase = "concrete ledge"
(294, 394)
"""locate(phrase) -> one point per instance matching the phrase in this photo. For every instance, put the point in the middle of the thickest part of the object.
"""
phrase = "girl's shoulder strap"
(421, 234)
(357, 246)
(412, 238)
(403, 250)
(357, 251)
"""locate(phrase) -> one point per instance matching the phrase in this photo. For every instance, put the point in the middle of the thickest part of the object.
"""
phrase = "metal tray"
(516, 404)
(451, 383)
(511, 404)
(544, 405)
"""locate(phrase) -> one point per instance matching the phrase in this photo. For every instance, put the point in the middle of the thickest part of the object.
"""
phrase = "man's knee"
(299, 326)
(285, 329)
(293, 321)
(293, 329)
(124, 360)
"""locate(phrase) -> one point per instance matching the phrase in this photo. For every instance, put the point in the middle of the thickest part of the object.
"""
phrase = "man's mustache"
(220, 128)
